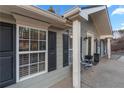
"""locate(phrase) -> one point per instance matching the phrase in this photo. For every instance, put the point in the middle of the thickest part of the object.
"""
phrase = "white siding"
(87, 27)
(49, 78)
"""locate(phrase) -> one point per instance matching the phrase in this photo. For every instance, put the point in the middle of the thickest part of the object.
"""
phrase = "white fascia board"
(86, 12)
(72, 12)
(43, 12)
(84, 15)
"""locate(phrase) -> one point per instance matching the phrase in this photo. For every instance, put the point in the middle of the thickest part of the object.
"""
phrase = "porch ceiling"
(99, 15)
(37, 14)
(102, 23)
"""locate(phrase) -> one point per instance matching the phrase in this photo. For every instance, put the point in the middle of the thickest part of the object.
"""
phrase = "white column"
(109, 48)
(76, 53)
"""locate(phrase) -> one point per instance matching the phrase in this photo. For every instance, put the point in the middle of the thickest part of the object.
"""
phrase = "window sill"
(32, 76)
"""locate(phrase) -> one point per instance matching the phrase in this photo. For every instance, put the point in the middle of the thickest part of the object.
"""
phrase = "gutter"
(43, 13)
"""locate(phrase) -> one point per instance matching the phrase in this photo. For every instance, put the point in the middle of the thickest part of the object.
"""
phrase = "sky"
(116, 13)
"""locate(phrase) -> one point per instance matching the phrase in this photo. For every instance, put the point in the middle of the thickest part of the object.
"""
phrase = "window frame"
(18, 79)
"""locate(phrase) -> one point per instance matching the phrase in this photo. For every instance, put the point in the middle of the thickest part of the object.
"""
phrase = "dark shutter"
(65, 50)
(51, 51)
(7, 54)
(89, 45)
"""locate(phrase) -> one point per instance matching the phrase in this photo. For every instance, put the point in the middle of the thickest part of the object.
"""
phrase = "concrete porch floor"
(107, 74)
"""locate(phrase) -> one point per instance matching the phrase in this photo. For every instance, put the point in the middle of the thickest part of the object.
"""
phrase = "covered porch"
(91, 34)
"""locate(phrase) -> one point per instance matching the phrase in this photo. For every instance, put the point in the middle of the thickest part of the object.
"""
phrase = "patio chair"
(87, 61)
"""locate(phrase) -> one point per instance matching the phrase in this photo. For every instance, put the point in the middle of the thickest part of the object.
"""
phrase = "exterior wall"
(88, 28)
(49, 78)
(83, 34)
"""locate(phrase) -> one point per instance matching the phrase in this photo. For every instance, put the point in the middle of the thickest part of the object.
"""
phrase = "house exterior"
(39, 48)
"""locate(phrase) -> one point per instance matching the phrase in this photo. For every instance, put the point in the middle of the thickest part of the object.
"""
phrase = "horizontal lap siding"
(59, 50)
(83, 34)
(47, 79)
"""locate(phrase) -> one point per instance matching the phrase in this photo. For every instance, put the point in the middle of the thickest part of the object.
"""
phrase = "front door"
(7, 54)
(51, 51)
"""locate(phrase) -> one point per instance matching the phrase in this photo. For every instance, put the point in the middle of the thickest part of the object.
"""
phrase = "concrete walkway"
(107, 74)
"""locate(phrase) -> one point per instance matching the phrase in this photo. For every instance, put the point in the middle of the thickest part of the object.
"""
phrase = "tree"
(51, 9)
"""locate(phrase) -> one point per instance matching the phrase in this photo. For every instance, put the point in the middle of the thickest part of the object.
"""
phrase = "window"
(32, 51)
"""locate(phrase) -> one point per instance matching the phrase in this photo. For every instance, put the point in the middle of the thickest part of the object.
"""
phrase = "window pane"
(42, 45)
(23, 71)
(33, 58)
(33, 69)
(34, 45)
(42, 35)
(34, 34)
(23, 45)
(23, 59)
(23, 33)
(41, 66)
(41, 57)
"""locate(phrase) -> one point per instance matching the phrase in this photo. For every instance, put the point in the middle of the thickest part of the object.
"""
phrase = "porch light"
(85, 38)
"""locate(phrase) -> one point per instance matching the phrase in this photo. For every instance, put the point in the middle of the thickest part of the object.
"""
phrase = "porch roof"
(35, 13)
(99, 15)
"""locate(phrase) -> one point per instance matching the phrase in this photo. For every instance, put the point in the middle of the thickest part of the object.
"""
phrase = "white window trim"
(17, 53)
